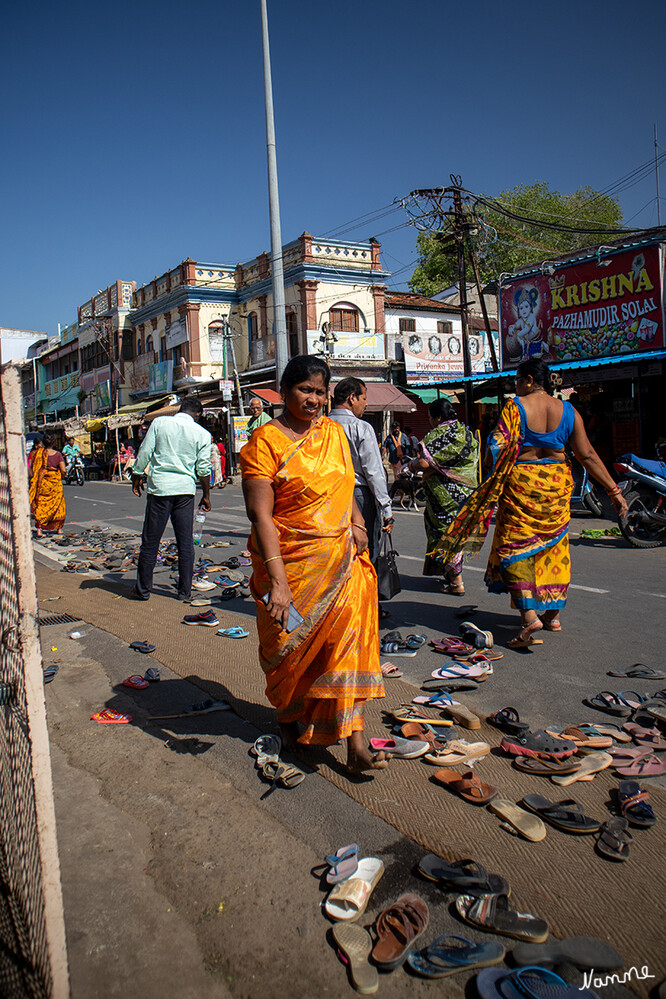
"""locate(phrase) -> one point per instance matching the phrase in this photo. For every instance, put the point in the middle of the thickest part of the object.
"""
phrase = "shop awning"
(597, 362)
(138, 407)
(164, 411)
(429, 395)
(384, 397)
(270, 396)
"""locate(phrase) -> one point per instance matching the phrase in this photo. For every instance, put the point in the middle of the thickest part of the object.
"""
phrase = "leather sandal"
(398, 928)
(466, 785)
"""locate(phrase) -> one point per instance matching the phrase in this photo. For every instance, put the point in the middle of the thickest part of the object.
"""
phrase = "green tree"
(503, 244)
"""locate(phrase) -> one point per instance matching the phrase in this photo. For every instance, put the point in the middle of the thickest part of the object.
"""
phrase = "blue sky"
(134, 132)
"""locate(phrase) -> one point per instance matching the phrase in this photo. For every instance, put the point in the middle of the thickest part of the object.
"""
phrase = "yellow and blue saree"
(529, 557)
(322, 673)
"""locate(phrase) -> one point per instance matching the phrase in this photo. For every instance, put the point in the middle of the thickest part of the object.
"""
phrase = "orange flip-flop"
(110, 717)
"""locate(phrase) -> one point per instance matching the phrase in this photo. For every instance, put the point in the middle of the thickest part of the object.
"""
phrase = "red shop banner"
(600, 308)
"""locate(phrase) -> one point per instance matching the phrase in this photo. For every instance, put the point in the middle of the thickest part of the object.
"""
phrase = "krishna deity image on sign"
(525, 339)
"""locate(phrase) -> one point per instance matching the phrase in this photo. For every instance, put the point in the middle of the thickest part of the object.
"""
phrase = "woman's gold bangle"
(364, 529)
(271, 559)
(613, 491)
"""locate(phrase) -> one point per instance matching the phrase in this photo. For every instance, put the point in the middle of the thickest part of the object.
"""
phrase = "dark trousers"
(158, 511)
(367, 504)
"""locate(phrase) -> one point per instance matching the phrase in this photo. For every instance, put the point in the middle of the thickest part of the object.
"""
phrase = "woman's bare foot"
(551, 621)
(290, 733)
(525, 638)
(39, 534)
(360, 758)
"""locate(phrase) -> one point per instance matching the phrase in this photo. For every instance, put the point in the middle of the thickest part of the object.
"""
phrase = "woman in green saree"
(449, 460)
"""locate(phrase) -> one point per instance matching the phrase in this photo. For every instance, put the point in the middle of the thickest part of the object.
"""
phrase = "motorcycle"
(643, 486)
(75, 474)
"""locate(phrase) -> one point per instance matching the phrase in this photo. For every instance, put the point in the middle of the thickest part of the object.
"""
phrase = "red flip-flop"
(136, 681)
(110, 717)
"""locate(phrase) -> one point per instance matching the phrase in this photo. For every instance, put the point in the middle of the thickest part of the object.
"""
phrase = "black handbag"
(388, 577)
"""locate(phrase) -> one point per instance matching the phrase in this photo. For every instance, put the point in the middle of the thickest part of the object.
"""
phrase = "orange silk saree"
(47, 499)
(322, 673)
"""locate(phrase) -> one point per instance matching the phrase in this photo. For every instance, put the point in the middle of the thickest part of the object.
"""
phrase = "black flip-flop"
(508, 720)
(144, 647)
(584, 953)
(609, 702)
(614, 839)
(639, 671)
(567, 815)
(463, 876)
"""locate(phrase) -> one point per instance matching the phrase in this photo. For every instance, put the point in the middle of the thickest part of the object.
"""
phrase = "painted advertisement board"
(429, 357)
(240, 431)
(161, 378)
(602, 307)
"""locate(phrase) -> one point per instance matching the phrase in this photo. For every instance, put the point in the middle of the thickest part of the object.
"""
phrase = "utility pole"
(279, 315)
(460, 230)
(656, 173)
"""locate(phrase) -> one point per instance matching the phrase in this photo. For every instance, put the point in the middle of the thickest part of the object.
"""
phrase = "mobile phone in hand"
(294, 619)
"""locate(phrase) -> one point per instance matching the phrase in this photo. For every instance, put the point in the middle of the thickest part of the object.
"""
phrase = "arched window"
(292, 333)
(253, 326)
(344, 318)
(149, 343)
(139, 347)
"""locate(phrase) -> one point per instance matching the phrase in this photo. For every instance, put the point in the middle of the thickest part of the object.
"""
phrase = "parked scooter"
(75, 473)
(643, 486)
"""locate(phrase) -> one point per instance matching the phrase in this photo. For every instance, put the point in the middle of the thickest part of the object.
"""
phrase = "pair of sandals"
(393, 644)
(267, 751)
(621, 703)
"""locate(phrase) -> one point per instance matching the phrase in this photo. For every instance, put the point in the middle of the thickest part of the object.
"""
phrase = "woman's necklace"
(297, 434)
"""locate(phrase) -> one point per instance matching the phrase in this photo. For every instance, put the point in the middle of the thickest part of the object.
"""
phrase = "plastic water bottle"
(199, 521)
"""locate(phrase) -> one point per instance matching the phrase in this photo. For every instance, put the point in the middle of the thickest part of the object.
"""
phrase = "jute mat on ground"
(561, 879)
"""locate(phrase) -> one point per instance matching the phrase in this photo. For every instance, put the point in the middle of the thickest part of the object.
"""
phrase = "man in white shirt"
(370, 491)
(177, 450)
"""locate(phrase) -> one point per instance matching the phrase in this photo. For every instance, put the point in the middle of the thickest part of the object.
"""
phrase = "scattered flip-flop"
(456, 753)
(267, 747)
(639, 671)
(462, 876)
(567, 815)
(110, 717)
(545, 766)
(236, 632)
(633, 803)
(451, 954)
(282, 774)
(649, 766)
(144, 647)
(537, 744)
(533, 982)
(609, 702)
(349, 899)
(50, 672)
(614, 839)
(493, 914)
(355, 944)
(466, 785)
(401, 749)
(508, 720)
(152, 675)
(390, 671)
(342, 864)
(582, 952)
(136, 682)
(527, 824)
(591, 765)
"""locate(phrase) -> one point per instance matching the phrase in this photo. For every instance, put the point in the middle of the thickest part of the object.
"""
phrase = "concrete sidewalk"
(169, 824)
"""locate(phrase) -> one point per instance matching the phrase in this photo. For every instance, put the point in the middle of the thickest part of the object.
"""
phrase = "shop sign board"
(226, 387)
(176, 333)
(429, 356)
(140, 373)
(161, 378)
(240, 431)
(603, 307)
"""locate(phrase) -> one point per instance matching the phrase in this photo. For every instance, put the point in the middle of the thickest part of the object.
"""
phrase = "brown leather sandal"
(467, 785)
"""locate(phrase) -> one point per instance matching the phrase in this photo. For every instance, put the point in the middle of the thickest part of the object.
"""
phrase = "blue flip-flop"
(415, 641)
(225, 583)
(236, 632)
(527, 983)
(451, 954)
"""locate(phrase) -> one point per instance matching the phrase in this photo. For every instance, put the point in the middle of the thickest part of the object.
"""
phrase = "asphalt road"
(616, 601)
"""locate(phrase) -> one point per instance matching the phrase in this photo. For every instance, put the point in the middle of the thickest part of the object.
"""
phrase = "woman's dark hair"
(442, 410)
(48, 440)
(539, 371)
(300, 368)
(347, 387)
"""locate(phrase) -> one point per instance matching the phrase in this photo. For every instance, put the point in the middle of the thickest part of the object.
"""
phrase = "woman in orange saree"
(47, 500)
(309, 551)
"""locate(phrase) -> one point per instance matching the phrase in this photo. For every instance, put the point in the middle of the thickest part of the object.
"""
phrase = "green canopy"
(487, 400)
(428, 395)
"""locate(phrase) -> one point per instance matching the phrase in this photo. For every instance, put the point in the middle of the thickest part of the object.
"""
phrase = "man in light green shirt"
(256, 408)
(176, 452)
